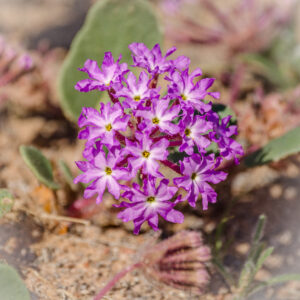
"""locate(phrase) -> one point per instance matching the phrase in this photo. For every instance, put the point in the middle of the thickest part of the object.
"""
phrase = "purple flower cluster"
(131, 137)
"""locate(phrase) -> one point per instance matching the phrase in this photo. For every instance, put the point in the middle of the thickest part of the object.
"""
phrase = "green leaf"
(177, 156)
(276, 149)
(262, 258)
(66, 172)
(267, 67)
(6, 202)
(213, 148)
(250, 267)
(246, 276)
(39, 165)
(273, 281)
(226, 275)
(11, 285)
(224, 111)
(219, 232)
(258, 234)
(111, 25)
(283, 278)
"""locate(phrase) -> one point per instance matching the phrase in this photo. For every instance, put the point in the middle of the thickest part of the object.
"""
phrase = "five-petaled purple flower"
(161, 116)
(137, 92)
(129, 141)
(146, 154)
(197, 171)
(103, 124)
(146, 205)
(102, 80)
(190, 94)
(229, 148)
(103, 172)
(193, 128)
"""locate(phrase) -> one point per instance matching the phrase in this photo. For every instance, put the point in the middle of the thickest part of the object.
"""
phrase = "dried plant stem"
(223, 19)
(171, 165)
(115, 279)
(56, 205)
(111, 93)
(64, 219)
(58, 218)
(153, 82)
(236, 84)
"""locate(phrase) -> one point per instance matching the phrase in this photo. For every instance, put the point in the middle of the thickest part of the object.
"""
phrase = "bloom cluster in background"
(132, 136)
(13, 64)
(248, 26)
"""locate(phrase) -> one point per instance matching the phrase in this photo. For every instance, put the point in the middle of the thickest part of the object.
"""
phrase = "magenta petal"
(174, 216)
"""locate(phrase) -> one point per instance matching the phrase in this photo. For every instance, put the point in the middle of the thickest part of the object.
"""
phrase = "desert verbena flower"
(188, 93)
(193, 129)
(151, 60)
(221, 134)
(103, 124)
(198, 170)
(161, 116)
(179, 261)
(102, 172)
(14, 63)
(147, 204)
(137, 92)
(101, 80)
(129, 140)
(146, 154)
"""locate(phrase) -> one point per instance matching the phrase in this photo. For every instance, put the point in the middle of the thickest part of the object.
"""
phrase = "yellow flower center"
(137, 98)
(146, 154)
(194, 175)
(184, 97)
(187, 131)
(108, 127)
(150, 199)
(155, 120)
(108, 171)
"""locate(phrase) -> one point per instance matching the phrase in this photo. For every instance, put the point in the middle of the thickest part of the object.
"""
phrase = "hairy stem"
(153, 82)
(236, 84)
(175, 143)
(176, 137)
(115, 279)
(171, 165)
(111, 93)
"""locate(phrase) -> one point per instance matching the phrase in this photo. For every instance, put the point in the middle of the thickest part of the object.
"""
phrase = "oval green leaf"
(277, 149)
(111, 25)
(11, 285)
(67, 174)
(39, 165)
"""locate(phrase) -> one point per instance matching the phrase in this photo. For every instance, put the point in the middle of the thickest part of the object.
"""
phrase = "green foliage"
(224, 111)
(276, 149)
(269, 68)
(6, 202)
(66, 172)
(39, 165)
(111, 25)
(11, 285)
(281, 63)
(246, 284)
(176, 156)
(275, 280)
